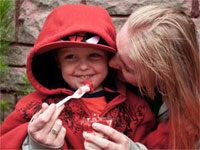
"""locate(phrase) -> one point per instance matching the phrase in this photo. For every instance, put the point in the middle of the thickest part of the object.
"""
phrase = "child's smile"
(85, 77)
(79, 63)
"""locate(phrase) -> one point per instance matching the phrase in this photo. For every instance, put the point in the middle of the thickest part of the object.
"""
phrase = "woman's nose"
(113, 62)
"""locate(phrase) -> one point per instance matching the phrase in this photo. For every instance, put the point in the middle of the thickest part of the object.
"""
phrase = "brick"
(12, 80)
(125, 7)
(32, 16)
(17, 55)
(118, 22)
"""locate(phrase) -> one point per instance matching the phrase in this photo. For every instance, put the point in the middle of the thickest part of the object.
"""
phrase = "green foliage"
(28, 87)
(4, 104)
(6, 8)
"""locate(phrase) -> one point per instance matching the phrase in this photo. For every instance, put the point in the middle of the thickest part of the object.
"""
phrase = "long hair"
(165, 45)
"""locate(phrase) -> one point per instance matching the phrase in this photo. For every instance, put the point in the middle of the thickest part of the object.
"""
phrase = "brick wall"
(29, 16)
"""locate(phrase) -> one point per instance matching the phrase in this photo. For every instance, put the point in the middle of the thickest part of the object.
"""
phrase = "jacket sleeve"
(143, 120)
(158, 139)
(147, 123)
(14, 127)
(150, 134)
(30, 144)
(13, 132)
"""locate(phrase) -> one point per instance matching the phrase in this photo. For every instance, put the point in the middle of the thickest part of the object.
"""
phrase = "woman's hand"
(46, 128)
(115, 141)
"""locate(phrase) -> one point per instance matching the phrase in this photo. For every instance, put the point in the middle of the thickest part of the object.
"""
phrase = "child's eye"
(70, 57)
(95, 55)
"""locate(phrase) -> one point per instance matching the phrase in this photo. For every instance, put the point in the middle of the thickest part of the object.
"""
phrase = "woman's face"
(127, 70)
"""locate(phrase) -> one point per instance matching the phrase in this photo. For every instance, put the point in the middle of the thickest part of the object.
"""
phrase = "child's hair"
(164, 43)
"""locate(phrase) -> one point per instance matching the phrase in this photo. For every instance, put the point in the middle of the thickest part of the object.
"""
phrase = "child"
(75, 44)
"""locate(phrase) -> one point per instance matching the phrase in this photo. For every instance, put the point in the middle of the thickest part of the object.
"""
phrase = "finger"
(48, 112)
(35, 116)
(60, 138)
(44, 107)
(109, 132)
(57, 112)
(43, 118)
(55, 129)
(48, 126)
(46, 120)
(53, 133)
(100, 142)
(91, 146)
(31, 127)
(50, 139)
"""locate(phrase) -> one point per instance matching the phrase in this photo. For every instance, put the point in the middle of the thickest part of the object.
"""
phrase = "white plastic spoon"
(77, 94)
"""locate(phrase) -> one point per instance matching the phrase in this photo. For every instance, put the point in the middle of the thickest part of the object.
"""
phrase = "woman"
(158, 51)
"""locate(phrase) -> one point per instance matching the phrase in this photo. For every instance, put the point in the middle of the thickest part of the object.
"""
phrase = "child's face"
(80, 63)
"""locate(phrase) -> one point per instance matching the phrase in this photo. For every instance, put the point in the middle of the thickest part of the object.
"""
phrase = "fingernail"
(95, 125)
(44, 103)
(59, 122)
(62, 106)
(52, 105)
(85, 134)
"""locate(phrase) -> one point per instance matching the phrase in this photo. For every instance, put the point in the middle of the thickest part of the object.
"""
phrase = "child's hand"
(119, 141)
(46, 128)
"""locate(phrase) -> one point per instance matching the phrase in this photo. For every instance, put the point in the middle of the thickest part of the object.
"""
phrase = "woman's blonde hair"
(164, 43)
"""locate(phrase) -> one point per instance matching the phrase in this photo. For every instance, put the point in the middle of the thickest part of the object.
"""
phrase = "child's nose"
(113, 62)
(83, 65)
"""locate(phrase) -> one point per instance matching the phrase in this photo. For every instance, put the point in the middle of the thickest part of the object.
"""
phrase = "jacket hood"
(62, 22)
